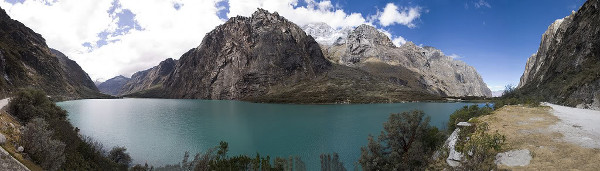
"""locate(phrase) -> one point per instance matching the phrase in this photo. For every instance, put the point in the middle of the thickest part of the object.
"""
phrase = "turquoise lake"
(159, 131)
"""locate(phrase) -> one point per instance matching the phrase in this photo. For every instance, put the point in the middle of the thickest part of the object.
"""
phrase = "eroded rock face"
(150, 78)
(566, 68)
(436, 73)
(245, 57)
(27, 62)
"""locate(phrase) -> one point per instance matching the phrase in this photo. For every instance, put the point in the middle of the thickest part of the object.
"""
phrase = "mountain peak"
(366, 35)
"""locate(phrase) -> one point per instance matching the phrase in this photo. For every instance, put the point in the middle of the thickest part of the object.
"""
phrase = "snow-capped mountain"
(325, 34)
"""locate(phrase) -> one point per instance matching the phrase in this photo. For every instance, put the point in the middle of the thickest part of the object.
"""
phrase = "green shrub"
(81, 153)
(479, 147)
(407, 143)
(210, 160)
(466, 113)
(40, 145)
(120, 156)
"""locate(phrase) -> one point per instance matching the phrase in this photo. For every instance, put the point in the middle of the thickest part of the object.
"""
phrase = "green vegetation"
(407, 143)
(209, 160)
(40, 145)
(48, 123)
(466, 113)
(331, 162)
(480, 148)
(513, 96)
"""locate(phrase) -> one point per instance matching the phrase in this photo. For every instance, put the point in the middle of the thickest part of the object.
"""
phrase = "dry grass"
(12, 138)
(529, 128)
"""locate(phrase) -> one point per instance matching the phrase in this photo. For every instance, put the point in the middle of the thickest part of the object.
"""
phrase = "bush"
(40, 146)
(406, 143)
(80, 153)
(210, 160)
(331, 162)
(120, 156)
(480, 147)
(466, 113)
(31, 103)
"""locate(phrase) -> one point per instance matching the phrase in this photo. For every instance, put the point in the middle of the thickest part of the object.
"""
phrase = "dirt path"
(579, 126)
(536, 129)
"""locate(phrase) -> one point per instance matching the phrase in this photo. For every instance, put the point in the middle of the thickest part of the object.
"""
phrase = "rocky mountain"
(566, 67)
(266, 58)
(113, 86)
(244, 57)
(149, 79)
(27, 62)
(434, 71)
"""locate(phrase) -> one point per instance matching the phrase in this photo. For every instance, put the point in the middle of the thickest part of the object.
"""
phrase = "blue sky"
(119, 37)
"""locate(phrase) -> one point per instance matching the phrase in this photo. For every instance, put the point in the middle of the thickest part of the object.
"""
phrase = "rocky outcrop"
(27, 62)
(113, 86)
(245, 57)
(152, 78)
(551, 37)
(566, 68)
(435, 72)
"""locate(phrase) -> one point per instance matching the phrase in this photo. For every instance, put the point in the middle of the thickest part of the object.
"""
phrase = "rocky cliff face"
(245, 57)
(566, 68)
(73, 73)
(435, 72)
(113, 86)
(152, 78)
(26, 61)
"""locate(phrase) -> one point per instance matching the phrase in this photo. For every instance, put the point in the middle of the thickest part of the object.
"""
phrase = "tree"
(120, 156)
(405, 144)
(38, 143)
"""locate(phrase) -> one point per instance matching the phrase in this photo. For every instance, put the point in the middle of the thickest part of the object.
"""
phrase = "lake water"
(159, 131)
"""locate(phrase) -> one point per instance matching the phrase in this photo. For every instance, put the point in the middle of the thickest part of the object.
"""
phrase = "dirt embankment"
(544, 134)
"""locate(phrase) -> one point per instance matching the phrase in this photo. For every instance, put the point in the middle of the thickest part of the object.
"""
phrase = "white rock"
(514, 158)
(464, 124)
(2, 139)
(20, 149)
(454, 157)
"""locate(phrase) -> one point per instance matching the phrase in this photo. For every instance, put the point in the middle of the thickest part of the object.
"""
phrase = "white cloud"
(397, 40)
(481, 3)
(168, 32)
(392, 14)
(323, 11)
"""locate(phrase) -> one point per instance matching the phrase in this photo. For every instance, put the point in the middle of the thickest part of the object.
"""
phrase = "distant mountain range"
(112, 86)
(266, 58)
(27, 62)
(566, 67)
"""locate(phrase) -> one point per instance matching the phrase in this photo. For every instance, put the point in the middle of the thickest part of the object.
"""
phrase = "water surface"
(159, 131)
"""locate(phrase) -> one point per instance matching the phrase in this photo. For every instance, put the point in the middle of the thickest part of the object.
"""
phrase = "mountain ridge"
(27, 62)
(566, 69)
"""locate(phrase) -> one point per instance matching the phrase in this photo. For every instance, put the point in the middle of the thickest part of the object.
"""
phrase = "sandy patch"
(532, 129)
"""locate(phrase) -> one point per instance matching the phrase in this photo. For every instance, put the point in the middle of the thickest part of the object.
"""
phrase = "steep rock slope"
(150, 79)
(432, 70)
(245, 57)
(566, 68)
(113, 86)
(26, 61)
